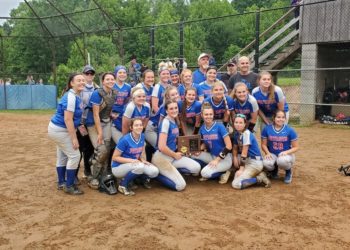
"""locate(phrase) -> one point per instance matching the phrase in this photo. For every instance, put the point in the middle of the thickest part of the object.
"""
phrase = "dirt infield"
(311, 213)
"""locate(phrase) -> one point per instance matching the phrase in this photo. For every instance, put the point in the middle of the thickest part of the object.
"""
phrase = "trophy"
(189, 144)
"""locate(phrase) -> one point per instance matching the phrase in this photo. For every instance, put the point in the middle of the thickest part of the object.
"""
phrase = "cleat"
(125, 191)
(147, 183)
(94, 183)
(224, 177)
(288, 177)
(262, 178)
(73, 190)
(132, 185)
(60, 186)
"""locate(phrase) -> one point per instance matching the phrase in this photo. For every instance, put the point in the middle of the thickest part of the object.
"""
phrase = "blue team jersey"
(267, 106)
(249, 106)
(181, 90)
(133, 111)
(122, 97)
(244, 139)
(170, 128)
(220, 108)
(129, 147)
(204, 89)
(279, 140)
(198, 76)
(95, 99)
(213, 137)
(147, 90)
(159, 91)
(69, 102)
(191, 112)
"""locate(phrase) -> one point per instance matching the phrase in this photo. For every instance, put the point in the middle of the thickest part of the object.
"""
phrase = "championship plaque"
(189, 144)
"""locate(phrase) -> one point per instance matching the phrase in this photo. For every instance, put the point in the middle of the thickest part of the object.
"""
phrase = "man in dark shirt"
(231, 71)
(244, 75)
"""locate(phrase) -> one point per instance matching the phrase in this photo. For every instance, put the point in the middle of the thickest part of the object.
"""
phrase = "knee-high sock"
(216, 175)
(184, 170)
(61, 174)
(70, 177)
(166, 181)
(128, 177)
(248, 182)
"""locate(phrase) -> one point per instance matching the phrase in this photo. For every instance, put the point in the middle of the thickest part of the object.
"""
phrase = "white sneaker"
(125, 191)
(224, 177)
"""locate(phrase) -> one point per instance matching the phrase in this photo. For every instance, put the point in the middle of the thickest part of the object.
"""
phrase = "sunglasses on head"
(90, 73)
(241, 116)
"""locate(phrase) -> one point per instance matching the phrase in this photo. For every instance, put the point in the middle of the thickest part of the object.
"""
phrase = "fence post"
(181, 36)
(257, 41)
(153, 53)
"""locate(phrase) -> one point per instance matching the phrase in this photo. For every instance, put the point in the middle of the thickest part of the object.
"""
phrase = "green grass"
(288, 81)
(29, 111)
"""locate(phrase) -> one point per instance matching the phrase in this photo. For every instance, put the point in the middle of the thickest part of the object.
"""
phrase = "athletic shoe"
(72, 190)
(60, 186)
(203, 179)
(132, 185)
(94, 183)
(288, 177)
(262, 178)
(146, 183)
(125, 191)
(224, 177)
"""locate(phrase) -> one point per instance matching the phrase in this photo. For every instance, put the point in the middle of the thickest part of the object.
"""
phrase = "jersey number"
(277, 146)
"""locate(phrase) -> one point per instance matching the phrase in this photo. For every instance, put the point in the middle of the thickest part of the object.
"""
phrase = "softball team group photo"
(127, 136)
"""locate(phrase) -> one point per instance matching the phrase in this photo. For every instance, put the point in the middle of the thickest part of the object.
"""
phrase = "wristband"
(251, 127)
(243, 161)
(223, 153)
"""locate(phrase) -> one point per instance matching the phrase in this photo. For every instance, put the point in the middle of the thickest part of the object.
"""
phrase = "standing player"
(246, 157)
(128, 162)
(279, 143)
(147, 84)
(159, 89)
(170, 162)
(123, 94)
(270, 98)
(62, 130)
(245, 104)
(204, 88)
(217, 143)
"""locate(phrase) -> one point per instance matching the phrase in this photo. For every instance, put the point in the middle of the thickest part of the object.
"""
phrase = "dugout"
(325, 59)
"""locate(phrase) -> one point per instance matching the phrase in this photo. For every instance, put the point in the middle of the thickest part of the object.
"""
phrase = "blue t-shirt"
(191, 112)
(247, 108)
(122, 97)
(70, 102)
(170, 128)
(204, 89)
(279, 140)
(198, 76)
(220, 108)
(148, 91)
(129, 147)
(213, 137)
(267, 106)
(244, 139)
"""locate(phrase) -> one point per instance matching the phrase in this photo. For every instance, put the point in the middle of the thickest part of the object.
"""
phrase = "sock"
(61, 174)
(216, 175)
(184, 171)
(127, 178)
(248, 182)
(70, 177)
(166, 181)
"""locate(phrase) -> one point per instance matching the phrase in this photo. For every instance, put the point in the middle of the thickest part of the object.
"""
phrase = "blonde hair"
(183, 73)
(237, 85)
(167, 93)
(272, 86)
(136, 91)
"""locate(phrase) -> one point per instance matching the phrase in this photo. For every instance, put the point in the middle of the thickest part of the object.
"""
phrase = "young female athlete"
(147, 84)
(245, 104)
(159, 89)
(205, 88)
(128, 162)
(221, 104)
(269, 97)
(186, 80)
(62, 130)
(151, 132)
(99, 126)
(279, 143)
(175, 81)
(217, 143)
(246, 156)
(170, 162)
(123, 94)
(190, 112)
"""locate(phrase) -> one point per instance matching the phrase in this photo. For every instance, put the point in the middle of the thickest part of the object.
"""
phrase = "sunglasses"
(241, 116)
(89, 73)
